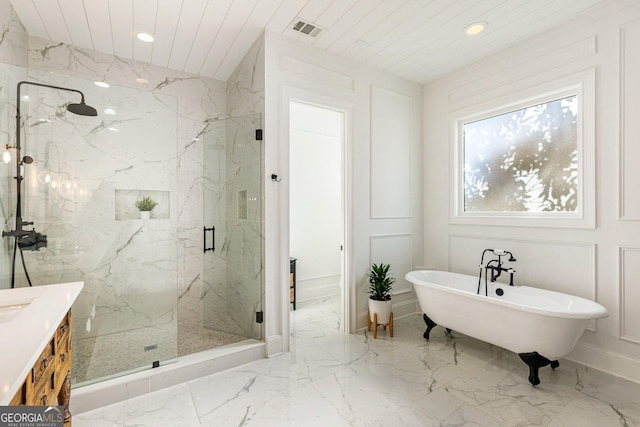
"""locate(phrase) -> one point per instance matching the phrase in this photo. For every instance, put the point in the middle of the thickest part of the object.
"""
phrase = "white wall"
(595, 263)
(315, 199)
(294, 67)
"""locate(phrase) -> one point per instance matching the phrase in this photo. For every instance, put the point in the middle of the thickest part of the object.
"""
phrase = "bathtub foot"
(535, 362)
(430, 325)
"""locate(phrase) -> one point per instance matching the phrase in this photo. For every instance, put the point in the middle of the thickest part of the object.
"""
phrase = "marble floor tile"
(332, 379)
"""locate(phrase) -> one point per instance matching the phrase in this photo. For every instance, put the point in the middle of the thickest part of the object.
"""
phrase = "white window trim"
(583, 86)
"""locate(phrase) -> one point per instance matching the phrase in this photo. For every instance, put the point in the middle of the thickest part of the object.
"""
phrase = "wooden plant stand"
(376, 324)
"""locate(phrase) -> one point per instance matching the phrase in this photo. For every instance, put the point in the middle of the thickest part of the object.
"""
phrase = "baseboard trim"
(611, 363)
(274, 345)
(317, 288)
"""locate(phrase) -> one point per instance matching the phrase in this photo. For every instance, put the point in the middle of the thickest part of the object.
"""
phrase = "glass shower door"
(232, 232)
(80, 189)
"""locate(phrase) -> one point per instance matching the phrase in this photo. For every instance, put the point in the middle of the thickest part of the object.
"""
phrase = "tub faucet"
(496, 267)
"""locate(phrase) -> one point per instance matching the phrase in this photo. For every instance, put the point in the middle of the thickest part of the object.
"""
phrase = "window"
(527, 163)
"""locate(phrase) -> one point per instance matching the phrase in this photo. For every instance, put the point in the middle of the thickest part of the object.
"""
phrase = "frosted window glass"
(524, 160)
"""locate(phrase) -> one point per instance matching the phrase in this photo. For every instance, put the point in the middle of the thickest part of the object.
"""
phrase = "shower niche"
(125, 204)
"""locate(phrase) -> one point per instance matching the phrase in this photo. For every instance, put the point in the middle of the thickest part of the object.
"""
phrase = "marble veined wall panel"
(129, 267)
(13, 39)
(200, 102)
(245, 268)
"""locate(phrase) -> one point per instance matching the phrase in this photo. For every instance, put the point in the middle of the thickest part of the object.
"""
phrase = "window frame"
(583, 87)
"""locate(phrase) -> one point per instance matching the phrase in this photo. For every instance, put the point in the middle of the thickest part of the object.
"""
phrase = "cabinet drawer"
(45, 362)
(64, 329)
(44, 392)
(21, 396)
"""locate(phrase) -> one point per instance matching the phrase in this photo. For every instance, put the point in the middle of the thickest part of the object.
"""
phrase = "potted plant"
(145, 206)
(380, 283)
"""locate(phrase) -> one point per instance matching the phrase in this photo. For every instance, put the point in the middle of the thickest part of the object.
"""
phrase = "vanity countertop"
(28, 319)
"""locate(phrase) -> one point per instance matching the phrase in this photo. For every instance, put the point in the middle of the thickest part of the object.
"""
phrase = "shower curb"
(184, 369)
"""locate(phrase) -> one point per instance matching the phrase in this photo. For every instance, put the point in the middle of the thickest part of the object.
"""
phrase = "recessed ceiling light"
(101, 84)
(25, 98)
(145, 37)
(112, 129)
(141, 80)
(109, 111)
(475, 28)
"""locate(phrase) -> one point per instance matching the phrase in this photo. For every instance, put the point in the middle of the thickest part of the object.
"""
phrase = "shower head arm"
(24, 82)
(18, 146)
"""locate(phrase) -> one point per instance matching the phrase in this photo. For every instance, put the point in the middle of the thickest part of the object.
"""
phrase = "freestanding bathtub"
(541, 326)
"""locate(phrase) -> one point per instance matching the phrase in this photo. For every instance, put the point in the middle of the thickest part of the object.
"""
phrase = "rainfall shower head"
(82, 109)
(27, 159)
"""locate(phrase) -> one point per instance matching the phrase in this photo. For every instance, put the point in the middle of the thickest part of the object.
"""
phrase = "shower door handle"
(213, 239)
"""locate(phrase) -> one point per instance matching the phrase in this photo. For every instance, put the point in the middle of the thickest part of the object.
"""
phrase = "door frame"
(288, 95)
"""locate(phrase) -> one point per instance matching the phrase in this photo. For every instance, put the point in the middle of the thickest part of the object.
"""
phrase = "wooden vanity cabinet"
(48, 381)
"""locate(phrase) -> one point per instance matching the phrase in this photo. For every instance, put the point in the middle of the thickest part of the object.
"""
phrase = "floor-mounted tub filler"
(541, 326)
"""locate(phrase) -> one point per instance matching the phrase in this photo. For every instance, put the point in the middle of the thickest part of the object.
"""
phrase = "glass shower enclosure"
(81, 190)
(232, 212)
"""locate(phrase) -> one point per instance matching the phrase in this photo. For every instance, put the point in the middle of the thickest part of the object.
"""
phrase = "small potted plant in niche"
(145, 206)
(380, 283)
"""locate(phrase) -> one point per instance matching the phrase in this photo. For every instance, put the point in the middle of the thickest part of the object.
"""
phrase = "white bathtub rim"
(597, 312)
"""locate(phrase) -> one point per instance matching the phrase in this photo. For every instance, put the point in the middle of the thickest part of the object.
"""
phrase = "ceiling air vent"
(304, 27)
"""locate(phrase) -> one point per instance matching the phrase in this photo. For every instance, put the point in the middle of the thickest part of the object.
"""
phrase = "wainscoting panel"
(629, 294)
(391, 124)
(395, 250)
(567, 267)
(629, 124)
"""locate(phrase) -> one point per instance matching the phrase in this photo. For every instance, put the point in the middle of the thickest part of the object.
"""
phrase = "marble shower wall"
(245, 195)
(198, 102)
(13, 36)
(233, 206)
(13, 50)
(81, 165)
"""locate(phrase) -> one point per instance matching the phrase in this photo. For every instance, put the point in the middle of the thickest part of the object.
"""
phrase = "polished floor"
(331, 379)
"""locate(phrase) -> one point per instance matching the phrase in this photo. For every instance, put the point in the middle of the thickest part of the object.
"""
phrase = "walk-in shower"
(31, 239)
(151, 293)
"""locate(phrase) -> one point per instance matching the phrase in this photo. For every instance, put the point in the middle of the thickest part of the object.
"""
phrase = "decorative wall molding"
(317, 74)
(390, 156)
(396, 250)
(629, 265)
(519, 68)
(567, 267)
(629, 144)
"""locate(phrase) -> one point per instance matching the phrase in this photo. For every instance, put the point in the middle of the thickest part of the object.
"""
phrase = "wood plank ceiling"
(419, 40)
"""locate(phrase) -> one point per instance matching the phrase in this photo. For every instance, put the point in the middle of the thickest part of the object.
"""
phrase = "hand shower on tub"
(496, 269)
